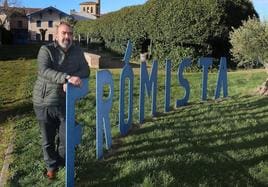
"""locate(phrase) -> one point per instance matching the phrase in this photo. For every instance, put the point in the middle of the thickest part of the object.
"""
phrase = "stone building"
(42, 24)
(90, 7)
(36, 24)
(88, 11)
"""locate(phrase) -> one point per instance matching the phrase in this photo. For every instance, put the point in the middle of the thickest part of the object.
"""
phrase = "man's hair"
(64, 23)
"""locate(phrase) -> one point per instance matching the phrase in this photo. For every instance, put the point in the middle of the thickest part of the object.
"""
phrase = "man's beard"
(65, 44)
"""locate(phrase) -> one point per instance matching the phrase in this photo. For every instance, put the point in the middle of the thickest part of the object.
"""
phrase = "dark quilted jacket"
(53, 67)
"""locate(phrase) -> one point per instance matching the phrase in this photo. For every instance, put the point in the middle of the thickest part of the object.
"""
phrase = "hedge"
(175, 28)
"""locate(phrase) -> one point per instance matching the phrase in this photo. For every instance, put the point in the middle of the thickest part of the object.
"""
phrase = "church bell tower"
(90, 7)
(98, 8)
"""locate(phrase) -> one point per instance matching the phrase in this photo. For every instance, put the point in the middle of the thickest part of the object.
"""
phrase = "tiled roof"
(22, 10)
(82, 16)
(88, 3)
(50, 8)
(31, 10)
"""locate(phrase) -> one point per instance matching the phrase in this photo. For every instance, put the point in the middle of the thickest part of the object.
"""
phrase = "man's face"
(64, 36)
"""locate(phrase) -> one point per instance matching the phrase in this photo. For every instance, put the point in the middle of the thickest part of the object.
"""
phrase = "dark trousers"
(52, 126)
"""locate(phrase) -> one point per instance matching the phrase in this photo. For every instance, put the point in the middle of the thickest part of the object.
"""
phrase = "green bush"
(250, 43)
(174, 27)
(177, 53)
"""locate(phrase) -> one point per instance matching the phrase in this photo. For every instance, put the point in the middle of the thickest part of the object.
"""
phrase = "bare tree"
(7, 8)
(10, 3)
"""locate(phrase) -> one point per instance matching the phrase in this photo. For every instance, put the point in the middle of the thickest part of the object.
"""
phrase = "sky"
(67, 5)
(261, 6)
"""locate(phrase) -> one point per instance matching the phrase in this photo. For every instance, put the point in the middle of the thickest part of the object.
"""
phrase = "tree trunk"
(263, 89)
(0, 36)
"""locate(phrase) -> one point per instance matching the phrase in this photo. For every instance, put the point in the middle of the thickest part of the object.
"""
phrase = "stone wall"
(93, 60)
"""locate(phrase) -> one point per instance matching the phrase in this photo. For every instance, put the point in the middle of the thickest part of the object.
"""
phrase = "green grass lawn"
(16, 80)
(213, 143)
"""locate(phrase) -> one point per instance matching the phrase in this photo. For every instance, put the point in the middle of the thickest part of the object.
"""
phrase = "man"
(58, 63)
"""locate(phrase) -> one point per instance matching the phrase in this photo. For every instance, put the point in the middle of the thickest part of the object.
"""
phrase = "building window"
(38, 37)
(38, 23)
(50, 23)
(50, 37)
(19, 24)
(84, 9)
(87, 9)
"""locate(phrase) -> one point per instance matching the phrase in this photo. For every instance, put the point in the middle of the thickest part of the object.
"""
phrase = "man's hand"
(64, 87)
(74, 80)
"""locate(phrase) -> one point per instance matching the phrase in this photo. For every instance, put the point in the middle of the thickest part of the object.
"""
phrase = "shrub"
(250, 43)
(199, 28)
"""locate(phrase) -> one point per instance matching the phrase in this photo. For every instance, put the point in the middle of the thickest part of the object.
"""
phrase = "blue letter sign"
(222, 79)
(102, 111)
(127, 73)
(183, 82)
(167, 85)
(205, 63)
(73, 130)
(150, 84)
(104, 99)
